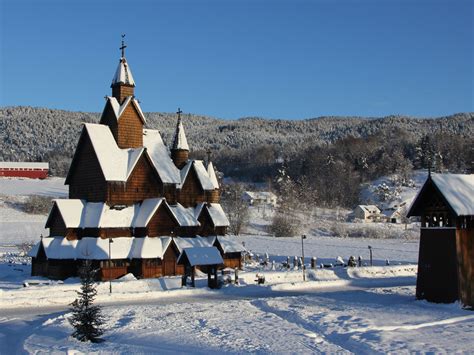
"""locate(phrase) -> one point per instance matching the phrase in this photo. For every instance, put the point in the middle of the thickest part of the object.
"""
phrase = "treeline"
(331, 174)
(327, 157)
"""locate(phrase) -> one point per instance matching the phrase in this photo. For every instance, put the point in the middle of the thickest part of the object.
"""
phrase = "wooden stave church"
(126, 188)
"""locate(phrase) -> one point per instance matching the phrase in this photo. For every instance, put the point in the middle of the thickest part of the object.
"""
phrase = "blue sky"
(230, 59)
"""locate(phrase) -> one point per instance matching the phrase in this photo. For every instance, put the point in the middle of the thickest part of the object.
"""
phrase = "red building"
(24, 169)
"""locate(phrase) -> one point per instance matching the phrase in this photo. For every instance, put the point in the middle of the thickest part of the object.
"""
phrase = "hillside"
(31, 134)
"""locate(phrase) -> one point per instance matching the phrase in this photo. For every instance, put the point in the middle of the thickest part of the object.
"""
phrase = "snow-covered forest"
(331, 156)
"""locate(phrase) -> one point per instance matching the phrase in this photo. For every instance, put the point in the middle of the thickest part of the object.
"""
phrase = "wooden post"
(193, 269)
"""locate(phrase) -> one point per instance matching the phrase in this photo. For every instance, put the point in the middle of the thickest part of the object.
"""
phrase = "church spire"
(180, 148)
(123, 84)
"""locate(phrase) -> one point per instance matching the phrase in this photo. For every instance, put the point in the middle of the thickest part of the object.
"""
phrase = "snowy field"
(17, 226)
(337, 310)
(362, 321)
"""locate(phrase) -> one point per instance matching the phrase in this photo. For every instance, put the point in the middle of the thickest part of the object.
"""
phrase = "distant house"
(445, 204)
(396, 214)
(24, 169)
(368, 213)
(258, 198)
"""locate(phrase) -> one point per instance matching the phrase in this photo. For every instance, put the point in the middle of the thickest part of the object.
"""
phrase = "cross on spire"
(179, 112)
(123, 46)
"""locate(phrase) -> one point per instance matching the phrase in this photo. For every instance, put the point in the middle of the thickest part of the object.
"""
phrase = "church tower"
(123, 84)
(180, 148)
(122, 111)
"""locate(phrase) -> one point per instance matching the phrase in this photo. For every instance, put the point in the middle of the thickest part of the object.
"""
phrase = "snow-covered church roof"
(212, 175)
(123, 74)
(132, 248)
(159, 155)
(201, 172)
(180, 142)
(229, 244)
(81, 214)
(116, 164)
(218, 217)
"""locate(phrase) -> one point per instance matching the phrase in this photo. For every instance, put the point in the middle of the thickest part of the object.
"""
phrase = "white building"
(258, 198)
(368, 213)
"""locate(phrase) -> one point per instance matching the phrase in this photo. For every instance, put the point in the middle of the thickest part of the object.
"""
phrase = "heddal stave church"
(134, 206)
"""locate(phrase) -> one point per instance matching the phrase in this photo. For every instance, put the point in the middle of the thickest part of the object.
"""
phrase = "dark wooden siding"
(437, 279)
(109, 119)
(162, 223)
(115, 232)
(180, 157)
(120, 92)
(86, 180)
(232, 260)
(143, 183)
(465, 253)
(191, 192)
(56, 224)
(213, 196)
(169, 262)
(130, 129)
(206, 228)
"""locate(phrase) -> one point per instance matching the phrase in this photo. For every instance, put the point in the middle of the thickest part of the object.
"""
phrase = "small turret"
(180, 148)
(123, 84)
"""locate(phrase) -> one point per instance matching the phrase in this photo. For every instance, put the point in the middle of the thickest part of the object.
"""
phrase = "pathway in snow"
(357, 321)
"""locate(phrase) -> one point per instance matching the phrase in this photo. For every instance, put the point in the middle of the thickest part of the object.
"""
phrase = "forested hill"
(30, 134)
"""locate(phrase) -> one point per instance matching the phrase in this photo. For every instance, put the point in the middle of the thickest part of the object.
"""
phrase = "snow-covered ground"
(375, 320)
(346, 310)
(17, 226)
(52, 186)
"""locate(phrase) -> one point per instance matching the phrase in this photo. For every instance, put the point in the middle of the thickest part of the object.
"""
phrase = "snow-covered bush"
(340, 230)
(284, 226)
(36, 204)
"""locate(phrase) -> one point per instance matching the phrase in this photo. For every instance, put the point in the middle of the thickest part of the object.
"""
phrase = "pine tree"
(87, 318)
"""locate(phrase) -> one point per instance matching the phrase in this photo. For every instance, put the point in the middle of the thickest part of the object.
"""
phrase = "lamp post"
(370, 250)
(303, 237)
(110, 265)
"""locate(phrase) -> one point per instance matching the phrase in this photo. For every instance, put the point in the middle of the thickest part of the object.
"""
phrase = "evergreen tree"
(87, 318)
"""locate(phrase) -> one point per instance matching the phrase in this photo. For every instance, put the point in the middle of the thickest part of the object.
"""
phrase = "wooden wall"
(232, 260)
(120, 92)
(143, 183)
(56, 224)
(206, 228)
(106, 233)
(465, 254)
(213, 196)
(169, 262)
(86, 181)
(162, 223)
(437, 279)
(130, 128)
(179, 157)
(191, 192)
(109, 119)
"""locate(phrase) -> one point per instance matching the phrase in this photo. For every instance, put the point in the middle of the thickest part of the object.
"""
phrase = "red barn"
(24, 169)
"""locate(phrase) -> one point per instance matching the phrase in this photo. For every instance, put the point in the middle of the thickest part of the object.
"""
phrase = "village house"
(260, 198)
(369, 213)
(445, 204)
(134, 206)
